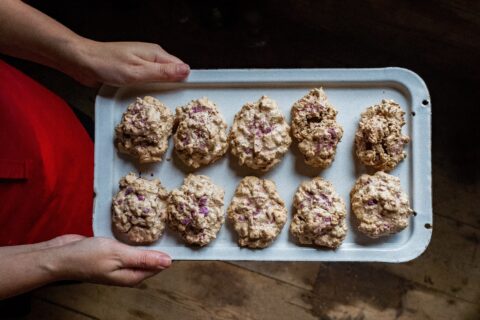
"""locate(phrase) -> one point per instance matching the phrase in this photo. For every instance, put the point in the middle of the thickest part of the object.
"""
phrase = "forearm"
(26, 271)
(29, 34)
(56, 242)
(9, 250)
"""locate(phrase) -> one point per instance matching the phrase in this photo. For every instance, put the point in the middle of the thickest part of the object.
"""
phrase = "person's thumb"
(146, 259)
(165, 72)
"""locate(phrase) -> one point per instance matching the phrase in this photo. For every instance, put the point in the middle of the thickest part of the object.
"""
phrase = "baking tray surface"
(351, 91)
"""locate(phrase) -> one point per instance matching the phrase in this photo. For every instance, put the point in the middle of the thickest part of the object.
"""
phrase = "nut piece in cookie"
(379, 141)
(257, 212)
(139, 209)
(195, 210)
(319, 217)
(315, 127)
(380, 205)
(260, 135)
(144, 130)
(201, 133)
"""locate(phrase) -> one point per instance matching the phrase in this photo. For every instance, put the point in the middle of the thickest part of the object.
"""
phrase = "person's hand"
(29, 34)
(74, 257)
(105, 261)
(123, 63)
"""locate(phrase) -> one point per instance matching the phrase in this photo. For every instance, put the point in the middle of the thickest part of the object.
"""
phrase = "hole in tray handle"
(428, 226)
(425, 102)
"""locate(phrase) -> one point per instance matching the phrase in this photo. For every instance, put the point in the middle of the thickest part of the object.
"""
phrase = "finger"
(145, 259)
(131, 277)
(165, 57)
(154, 53)
(164, 72)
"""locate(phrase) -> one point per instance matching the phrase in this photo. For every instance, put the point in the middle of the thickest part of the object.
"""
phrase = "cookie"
(201, 133)
(379, 140)
(144, 130)
(320, 146)
(315, 127)
(319, 217)
(380, 205)
(139, 209)
(257, 212)
(260, 135)
(195, 210)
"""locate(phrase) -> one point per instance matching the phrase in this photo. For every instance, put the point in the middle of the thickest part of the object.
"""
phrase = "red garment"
(46, 164)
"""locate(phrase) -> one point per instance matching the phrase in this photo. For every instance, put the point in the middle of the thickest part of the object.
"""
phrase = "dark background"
(439, 40)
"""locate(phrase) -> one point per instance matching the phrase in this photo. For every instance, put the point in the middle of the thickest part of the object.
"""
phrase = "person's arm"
(55, 242)
(97, 260)
(29, 34)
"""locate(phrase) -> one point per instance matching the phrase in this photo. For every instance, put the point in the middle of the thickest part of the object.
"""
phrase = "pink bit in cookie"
(265, 127)
(199, 108)
(313, 107)
(325, 199)
(204, 211)
(181, 207)
(333, 133)
(202, 201)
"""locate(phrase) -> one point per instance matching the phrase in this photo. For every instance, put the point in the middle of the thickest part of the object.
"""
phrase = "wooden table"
(440, 40)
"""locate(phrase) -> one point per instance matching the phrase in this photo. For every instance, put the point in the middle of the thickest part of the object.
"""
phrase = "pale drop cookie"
(260, 136)
(380, 205)
(144, 130)
(315, 127)
(320, 146)
(201, 133)
(379, 140)
(139, 209)
(319, 217)
(257, 212)
(195, 210)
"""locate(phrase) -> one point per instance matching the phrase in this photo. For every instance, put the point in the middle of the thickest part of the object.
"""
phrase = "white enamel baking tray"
(349, 90)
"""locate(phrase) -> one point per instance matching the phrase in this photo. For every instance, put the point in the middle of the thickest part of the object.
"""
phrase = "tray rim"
(410, 82)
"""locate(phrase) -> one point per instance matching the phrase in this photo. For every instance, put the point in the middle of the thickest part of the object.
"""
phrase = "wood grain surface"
(440, 40)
